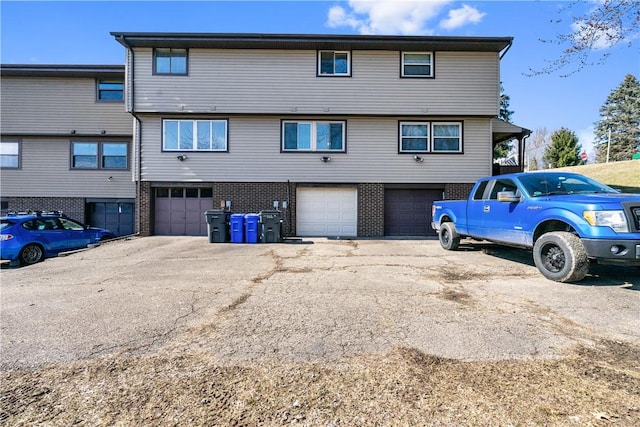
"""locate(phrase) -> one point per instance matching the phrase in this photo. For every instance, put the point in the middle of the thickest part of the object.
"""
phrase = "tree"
(607, 23)
(564, 149)
(503, 148)
(533, 164)
(620, 114)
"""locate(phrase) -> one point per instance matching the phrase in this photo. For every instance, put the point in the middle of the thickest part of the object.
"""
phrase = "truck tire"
(449, 238)
(560, 256)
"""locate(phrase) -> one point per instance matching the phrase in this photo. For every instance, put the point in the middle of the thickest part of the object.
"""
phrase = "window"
(417, 64)
(331, 63)
(194, 135)
(502, 185)
(447, 137)
(110, 90)
(99, 155)
(313, 136)
(9, 155)
(479, 194)
(430, 137)
(414, 137)
(170, 61)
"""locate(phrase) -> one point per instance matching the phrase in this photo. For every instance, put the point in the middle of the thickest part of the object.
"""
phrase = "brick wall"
(371, 210)
(253, 197)
(73, 207)
(457, 191)
(144, 202)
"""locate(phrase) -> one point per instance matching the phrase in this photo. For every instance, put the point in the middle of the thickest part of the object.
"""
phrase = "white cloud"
(405, 17)
(460, 17)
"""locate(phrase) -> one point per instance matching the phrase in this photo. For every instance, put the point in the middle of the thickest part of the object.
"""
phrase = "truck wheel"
(449, 238)
(560, 256)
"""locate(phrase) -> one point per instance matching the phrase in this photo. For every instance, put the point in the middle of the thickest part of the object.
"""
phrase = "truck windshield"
(539, 184)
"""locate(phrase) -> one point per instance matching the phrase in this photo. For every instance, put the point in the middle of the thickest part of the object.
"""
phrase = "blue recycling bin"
(236, 228)
(251, 225)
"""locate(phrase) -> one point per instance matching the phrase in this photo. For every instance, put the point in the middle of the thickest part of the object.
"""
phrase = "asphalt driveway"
(316, 300)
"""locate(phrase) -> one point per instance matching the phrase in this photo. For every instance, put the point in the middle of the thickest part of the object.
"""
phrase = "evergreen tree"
(503, 148)
(620, 114)
(533, 164)
(564, 149)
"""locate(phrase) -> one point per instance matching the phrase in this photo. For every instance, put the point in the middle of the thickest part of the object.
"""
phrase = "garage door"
(324, 211)
(115, 216)
(407, 212)
(180, 211)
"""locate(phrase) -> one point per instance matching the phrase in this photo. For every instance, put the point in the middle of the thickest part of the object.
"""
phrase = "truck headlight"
(613, 219)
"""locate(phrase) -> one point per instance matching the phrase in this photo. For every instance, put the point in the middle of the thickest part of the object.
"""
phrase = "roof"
(504, 131)
(44, 70)
(311, 41)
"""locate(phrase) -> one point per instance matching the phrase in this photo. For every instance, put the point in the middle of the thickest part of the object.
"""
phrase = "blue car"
(31, 237)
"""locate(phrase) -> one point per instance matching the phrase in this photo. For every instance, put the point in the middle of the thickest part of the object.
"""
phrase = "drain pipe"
(138, 134)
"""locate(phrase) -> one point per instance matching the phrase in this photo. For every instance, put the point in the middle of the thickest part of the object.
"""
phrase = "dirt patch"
(404, 387)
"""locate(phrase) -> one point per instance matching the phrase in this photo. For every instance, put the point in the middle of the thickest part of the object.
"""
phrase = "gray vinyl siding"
(57, 105)
(372, 155)
(285, 82)
(45, 172)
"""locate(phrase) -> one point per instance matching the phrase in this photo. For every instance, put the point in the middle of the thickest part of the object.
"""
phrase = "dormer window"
(334, 63)
(170, 61)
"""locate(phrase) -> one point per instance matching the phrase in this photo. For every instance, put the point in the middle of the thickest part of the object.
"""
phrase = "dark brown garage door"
(407, 212)
(180, 211)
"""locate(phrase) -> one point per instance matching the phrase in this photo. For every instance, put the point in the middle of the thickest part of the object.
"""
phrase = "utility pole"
(608, 145)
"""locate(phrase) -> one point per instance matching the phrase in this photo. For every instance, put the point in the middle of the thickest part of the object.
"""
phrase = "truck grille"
(636, 217)
(632, 210)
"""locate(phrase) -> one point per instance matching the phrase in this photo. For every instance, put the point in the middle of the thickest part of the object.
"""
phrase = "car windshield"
(539, 184)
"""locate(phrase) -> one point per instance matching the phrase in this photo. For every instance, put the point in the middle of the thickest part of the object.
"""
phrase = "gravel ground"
(171, 331)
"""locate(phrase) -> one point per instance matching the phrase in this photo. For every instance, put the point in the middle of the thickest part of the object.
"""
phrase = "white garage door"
(329, 212)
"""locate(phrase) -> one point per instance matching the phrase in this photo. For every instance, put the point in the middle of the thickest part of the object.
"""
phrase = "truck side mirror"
(508, 196)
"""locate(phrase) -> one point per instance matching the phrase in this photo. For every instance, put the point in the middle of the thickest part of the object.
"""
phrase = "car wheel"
(31, 254)
(449, 238)
(560, 256)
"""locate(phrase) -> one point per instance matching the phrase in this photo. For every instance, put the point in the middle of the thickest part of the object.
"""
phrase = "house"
(346, 135)
(65, 143)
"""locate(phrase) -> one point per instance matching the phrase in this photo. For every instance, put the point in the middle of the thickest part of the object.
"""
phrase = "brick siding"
(457, 191)
(371, 210)
(73, 207)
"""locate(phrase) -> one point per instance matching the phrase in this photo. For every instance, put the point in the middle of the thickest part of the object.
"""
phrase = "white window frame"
(431, 145)
(434, 136)
(405, 137)
(419, 76)
(10, 150)
(314, 136)
(194, 133)
(334, 73)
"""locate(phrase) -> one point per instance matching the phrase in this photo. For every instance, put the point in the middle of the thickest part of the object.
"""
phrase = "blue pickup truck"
(569, 220)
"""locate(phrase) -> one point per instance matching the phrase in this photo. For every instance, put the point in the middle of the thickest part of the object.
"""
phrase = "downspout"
(138, 135)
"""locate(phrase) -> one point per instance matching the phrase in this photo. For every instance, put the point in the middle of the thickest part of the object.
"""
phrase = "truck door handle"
(486, 208)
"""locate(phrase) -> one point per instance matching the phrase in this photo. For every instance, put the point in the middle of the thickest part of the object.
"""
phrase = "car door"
(503, 221)
(74, 234)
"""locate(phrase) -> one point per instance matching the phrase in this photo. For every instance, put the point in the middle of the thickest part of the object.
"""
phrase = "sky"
(78, 32)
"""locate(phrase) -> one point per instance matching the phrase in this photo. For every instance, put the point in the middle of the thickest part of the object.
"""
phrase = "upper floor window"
(434, 137)
(333, 63)
(9, 154)
(417, 64)
(99, 155)
(194, 135)
(313, 136)
(170, 61)
(110, 90)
